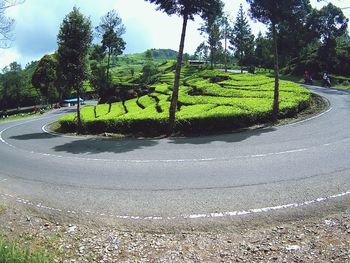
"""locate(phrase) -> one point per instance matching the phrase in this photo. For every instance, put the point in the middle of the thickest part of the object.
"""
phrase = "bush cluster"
(209, 101)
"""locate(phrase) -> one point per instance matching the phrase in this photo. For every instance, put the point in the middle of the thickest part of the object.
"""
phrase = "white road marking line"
(262, 155)
(13, 126)
(44, 129)
(309, 119)
(188, 217)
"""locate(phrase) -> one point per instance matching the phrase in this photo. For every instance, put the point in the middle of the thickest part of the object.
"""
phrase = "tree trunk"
(78, 112)
(241, 58)
(225, 56)
(108, 64)
(275, 107)
(175, 94)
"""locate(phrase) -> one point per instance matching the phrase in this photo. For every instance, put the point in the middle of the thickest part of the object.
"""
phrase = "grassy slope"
(205, 96)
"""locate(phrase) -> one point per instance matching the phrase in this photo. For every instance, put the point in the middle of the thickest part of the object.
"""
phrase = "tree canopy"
(74, 40)
(242, 39)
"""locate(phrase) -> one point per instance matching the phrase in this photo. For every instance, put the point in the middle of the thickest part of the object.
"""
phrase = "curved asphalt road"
(175, 178)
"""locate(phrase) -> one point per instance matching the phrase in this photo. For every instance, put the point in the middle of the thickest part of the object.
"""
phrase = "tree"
(148, 72)
(44, 78)
(242, 39)
(74, 40)
(202, 51)
(6, 24)
(111, 30)
(263, 55)
(187, 9)
(98, 69)
(272, 13)
(148, 54)
(226, 31)
(13, 82)
(294, 34)
(212, 28)
(330, 23)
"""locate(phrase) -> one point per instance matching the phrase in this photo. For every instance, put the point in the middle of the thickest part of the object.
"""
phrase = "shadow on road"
(229, 138)
(95, 146)
(32, 136)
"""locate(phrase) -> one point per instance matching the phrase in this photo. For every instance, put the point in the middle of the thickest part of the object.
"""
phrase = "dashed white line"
(181, 217)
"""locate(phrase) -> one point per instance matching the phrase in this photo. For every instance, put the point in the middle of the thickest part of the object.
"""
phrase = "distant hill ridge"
(158, 54)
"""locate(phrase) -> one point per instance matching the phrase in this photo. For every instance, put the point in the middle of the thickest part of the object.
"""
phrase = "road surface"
(255, 171)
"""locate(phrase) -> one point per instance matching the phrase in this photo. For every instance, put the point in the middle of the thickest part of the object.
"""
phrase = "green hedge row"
(209, 101)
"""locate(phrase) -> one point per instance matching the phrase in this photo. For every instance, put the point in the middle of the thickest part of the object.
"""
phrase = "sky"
(38, 22)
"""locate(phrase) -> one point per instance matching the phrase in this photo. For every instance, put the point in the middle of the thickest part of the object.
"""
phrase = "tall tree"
(44, 78)
(212, 28)
(13, 82)
(295, 33)
(187, 9)
(242, 39)
(262, 53)
(225, 32)
(202, 51)
(331, 23)
(111, 29)
(74, 40)
(6, 24)
(97, 77)
(272, 13)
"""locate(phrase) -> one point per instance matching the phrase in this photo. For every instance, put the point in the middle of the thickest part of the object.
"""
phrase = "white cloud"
(38, 21)
(7, 56)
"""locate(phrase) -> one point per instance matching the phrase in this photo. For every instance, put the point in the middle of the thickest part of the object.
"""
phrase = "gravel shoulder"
(320, 238)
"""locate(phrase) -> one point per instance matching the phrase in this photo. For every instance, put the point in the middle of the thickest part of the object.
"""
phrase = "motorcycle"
(326, 81)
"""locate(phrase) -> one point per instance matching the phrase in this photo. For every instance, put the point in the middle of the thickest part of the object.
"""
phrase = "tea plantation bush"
(209, 101)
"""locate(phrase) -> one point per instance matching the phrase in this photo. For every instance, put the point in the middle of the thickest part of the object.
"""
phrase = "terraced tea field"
(209, 101)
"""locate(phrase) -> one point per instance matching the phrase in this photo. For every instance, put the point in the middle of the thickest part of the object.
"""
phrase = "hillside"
(209, 101)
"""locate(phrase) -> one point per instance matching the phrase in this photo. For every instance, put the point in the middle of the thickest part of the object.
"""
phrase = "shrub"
(225, 101)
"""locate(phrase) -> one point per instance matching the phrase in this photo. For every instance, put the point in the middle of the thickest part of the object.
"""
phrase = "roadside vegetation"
(300, 39)
(9, 253)
(209, 101)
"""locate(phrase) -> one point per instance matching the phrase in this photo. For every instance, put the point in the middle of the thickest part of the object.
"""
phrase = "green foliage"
(44, 78)
(74, 39)
(11, 254)
(212, 29)
(242, 39)
(187, 9)
(148, 54)
(110, 30)
(148, 72)
(208, 101)
(11, 90)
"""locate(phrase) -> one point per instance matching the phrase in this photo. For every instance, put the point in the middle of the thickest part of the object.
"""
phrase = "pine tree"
(242, 39)
(212, 28)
